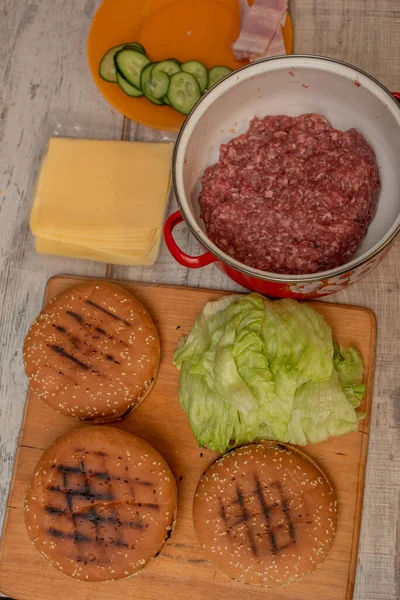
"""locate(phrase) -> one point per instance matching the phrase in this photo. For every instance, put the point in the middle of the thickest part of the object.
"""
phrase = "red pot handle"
(192, 262)
(396, 95)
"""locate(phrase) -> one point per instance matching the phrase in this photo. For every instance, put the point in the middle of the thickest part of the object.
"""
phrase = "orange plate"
(184, 29)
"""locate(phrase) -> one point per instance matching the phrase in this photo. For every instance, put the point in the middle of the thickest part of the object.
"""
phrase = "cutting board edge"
(363, 459)
(193, 289)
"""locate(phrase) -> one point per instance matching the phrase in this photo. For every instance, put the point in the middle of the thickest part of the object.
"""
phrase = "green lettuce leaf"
(320, 410)
(252, 368)
(350, 369)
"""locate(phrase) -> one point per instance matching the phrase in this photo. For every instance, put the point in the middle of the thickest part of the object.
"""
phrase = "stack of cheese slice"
(102, 200)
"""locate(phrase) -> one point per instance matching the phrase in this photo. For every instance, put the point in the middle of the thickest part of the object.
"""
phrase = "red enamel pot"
(292, 85)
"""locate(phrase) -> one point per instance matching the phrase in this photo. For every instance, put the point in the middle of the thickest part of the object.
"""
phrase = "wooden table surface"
(44, 79)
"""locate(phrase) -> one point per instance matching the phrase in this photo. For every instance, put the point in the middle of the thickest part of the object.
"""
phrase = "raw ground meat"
(291, 195)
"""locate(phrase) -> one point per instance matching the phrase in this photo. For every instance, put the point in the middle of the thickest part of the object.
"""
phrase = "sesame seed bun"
(93, 352)
(265, 514)
(100, 504)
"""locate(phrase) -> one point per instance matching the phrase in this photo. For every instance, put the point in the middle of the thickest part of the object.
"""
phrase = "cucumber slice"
(130, 64)
(170, 67)
(107, 67)
(157, 83)
(217, 73)
(136, 46)
(183, 92)
(126, 87)
(198, 70)
(145, 84)
(166, 101)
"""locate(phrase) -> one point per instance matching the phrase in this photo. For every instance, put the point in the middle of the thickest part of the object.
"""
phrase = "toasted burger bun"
(265, 514)
(93, 352)
(101, 504)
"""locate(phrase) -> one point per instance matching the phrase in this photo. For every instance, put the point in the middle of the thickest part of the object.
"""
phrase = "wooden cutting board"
(181, 572)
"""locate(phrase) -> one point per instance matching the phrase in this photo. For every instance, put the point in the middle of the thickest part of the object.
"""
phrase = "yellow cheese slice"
(98, 234)
(45, 246)
(101, 187)
(133, 242)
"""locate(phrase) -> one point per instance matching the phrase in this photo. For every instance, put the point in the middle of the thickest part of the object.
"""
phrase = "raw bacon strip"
(244, 10)
(259, 28)
(277, 46)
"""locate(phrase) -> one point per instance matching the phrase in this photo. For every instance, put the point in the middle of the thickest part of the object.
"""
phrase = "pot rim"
(203, 239)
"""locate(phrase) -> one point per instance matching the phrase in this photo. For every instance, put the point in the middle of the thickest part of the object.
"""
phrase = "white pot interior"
(293, 86)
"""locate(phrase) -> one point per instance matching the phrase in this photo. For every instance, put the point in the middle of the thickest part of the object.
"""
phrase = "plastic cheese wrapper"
(253, 369)
(102, 200)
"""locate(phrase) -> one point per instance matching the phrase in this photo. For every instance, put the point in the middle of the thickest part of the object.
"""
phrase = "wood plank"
(161, 420)
(362, 32)
(44, 89)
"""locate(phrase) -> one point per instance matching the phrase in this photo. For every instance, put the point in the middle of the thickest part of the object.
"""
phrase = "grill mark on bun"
(55, 511)
(266, 509)
(147, 505)
(244, 519)
(68, 470)
(77, 537)
(111, 358)
(75, 342)
(107, 312)
(101, 475)
(75, 316)
(99, 561)
(286, 511)
(110, 337)
(266, 512)
(224, 517)
(69, 494)
(94, 517)
(62, 352)
(59, 328)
